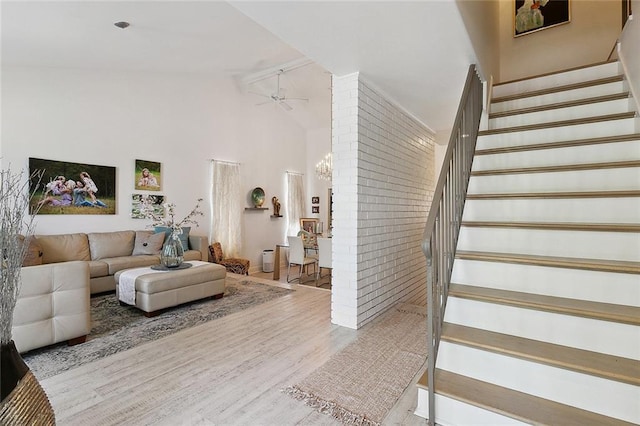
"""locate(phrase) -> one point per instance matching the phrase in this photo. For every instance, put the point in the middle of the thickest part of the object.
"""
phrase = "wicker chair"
(235, 265)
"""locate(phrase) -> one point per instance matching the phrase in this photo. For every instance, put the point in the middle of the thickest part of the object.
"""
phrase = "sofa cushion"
(184, 237)
(147, 242)
(33, 254)
(97, 268)
(64, 247)
(111, 244)
(119, 263)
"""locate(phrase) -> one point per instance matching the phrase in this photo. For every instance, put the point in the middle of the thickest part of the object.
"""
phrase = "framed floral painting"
(535, 15)
(141, 203)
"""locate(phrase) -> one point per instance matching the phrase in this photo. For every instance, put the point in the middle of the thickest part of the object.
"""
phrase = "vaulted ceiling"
(415, 52)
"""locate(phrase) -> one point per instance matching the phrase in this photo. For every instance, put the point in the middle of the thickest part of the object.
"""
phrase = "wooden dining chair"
(297, 257)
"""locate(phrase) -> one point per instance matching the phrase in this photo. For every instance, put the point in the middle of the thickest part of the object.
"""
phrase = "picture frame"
(148, 175)
(530, 16)
(142, 202)
(315, 200)
(315, 209)
(309, 224)
(72, 188)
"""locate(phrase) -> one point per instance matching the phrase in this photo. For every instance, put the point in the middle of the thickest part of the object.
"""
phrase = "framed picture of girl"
(148, 175)
(535, 15)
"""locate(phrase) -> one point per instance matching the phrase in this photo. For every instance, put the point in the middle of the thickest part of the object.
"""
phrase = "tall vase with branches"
(22, 400)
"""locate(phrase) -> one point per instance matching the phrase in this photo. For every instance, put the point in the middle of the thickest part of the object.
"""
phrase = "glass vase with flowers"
(172, 254)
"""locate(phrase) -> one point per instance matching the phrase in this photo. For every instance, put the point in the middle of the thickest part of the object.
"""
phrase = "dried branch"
(14, 221)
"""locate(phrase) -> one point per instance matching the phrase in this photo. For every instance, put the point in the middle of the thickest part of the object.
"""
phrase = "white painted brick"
(383, 182)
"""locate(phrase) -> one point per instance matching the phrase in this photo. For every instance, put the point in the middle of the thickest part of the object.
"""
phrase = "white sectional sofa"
(64, 270)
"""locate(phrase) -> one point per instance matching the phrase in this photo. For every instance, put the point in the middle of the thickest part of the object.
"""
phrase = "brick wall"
(383, 181)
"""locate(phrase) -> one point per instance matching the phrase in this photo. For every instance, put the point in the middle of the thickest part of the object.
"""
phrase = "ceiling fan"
(278, 97)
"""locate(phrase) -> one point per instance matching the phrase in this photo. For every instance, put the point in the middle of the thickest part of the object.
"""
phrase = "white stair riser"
(556, 80)
(562, 114)
(606, 397)
(583, 333)
(586, 210)
(595, 286)
(584, 154)
(559, 134)
(582, 180)
(564, 96)
(578, 244)
(451, 412)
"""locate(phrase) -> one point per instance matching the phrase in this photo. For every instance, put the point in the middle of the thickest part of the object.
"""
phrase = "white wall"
(628, 52)
(383, 184)
(182, 121)
(318, 145)
(482, 21)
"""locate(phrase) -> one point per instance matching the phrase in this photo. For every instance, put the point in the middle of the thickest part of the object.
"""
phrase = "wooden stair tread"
(559, 105)
(618, 266)
(562, 144)
(609, 367)
(581, 308)
(563, 123)
(558, 226)
(511, 403)
(559, 168)
(572, 194)
(556, 89)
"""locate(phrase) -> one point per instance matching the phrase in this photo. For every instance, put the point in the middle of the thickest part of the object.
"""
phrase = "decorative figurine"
(276, 206)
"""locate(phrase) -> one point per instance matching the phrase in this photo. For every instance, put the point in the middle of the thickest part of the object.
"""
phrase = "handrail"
(443, 223)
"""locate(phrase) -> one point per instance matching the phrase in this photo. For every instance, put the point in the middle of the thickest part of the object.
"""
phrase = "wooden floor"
(226, 372)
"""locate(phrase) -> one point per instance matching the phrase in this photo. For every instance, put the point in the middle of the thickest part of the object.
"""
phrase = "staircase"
(542, 323)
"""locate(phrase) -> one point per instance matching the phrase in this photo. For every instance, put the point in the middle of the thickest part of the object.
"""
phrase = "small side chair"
(233, 264)
(297, 257)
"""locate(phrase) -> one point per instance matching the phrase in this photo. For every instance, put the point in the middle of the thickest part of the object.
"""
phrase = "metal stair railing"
(443, 223)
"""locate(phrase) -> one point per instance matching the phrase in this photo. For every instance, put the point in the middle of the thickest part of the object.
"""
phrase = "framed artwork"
(315, 200)
(535, 15)
(315, 209)
(309, 224)
(148, 176)
(73, 188)
(140, 203)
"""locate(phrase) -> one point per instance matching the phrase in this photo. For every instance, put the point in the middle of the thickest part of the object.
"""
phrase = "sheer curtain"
(295, 202)
(226, 207)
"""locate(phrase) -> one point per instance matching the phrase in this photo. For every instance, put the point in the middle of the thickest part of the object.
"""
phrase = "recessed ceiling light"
(122, 24)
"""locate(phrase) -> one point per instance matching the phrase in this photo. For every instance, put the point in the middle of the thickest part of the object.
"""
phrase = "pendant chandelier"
(325, 167)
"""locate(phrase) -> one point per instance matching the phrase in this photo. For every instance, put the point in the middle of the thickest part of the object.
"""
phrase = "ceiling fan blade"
(264, 103)
(285, 106)
(298, 99)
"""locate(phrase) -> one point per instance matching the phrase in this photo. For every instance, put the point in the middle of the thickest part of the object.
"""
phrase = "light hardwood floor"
(225, 372)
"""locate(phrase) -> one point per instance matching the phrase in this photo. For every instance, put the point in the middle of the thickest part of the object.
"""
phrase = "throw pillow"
(148, 243)
(33, 255)
(184, 237)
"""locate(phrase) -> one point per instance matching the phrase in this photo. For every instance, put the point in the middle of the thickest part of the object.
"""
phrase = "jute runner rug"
(116, 328)
(360, 384)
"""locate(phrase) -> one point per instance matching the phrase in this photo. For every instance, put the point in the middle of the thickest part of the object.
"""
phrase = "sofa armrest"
(200, 243)
(53, 305)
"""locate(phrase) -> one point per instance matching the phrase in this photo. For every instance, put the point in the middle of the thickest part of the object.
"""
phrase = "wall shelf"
(276, 215)
(256, 208)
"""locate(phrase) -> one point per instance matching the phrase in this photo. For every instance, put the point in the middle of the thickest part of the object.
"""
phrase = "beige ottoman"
(155, 291)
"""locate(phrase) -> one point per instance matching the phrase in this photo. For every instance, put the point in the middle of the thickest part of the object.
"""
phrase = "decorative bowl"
(257, 197)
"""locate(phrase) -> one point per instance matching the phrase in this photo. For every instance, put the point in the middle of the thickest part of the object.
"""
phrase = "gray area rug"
(116, 328)
(360, 384)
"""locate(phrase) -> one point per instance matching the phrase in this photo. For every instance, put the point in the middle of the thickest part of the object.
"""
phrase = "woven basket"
(27, 404)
